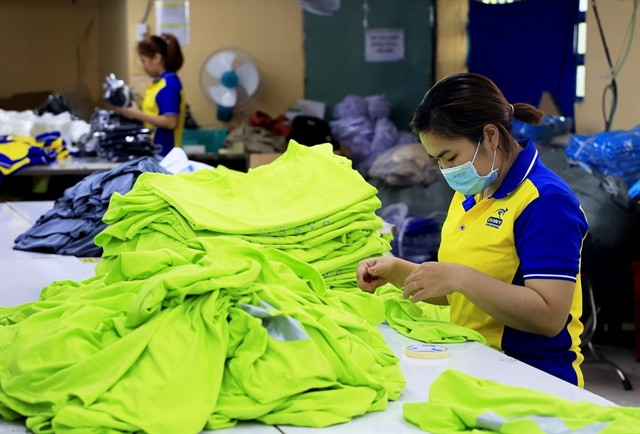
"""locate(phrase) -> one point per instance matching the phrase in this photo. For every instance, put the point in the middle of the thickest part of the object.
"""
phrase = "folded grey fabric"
(76, 218)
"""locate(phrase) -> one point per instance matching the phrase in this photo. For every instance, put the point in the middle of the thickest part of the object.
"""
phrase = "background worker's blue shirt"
(531, 228)
(165, 96)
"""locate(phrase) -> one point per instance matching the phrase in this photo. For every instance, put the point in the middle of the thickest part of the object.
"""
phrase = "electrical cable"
(146, 12)
(613, 86)
(630, 30)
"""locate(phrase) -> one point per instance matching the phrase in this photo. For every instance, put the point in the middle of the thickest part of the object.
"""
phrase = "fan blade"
(248, 77)
(220, 63)
(223, 95)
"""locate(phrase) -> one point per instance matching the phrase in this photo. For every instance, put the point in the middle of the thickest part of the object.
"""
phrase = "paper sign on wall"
(384, 45)
(173, 17)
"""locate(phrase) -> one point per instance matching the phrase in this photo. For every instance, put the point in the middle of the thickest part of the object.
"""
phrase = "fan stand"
(224, 114)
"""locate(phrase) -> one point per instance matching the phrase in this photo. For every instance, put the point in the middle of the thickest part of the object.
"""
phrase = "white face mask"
(465, 179)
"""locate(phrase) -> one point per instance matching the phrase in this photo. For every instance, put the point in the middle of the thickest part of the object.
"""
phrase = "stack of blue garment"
(18, 152)
(76, 218)
(615, 153)
(416, 239)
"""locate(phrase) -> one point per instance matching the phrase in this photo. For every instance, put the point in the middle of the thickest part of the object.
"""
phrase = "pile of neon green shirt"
(309, 203)
(217, 299)
(186, 338)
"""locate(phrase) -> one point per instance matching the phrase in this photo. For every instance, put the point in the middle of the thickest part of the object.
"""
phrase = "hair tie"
(512, 109)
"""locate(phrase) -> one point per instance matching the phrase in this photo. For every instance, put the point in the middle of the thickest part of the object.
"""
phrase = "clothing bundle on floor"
(192, 337)
(488, 406)
(76, 218)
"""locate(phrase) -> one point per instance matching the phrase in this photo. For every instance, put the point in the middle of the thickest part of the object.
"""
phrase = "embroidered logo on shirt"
(495, 222)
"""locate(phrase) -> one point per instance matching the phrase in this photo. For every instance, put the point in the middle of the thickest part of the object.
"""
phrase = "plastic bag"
(404, 165)
(352, 106)
(615, 153)
(549, 127)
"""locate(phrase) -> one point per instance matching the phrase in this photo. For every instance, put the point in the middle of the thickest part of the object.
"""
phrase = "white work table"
(75, 166)
(24, 274)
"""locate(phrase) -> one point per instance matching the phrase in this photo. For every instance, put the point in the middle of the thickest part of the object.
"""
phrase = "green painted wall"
(335, 55)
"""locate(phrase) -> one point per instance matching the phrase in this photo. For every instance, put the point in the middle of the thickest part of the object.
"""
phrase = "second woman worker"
(163, 107)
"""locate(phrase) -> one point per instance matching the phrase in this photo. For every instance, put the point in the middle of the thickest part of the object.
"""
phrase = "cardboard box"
(25, 101)
(256, 160)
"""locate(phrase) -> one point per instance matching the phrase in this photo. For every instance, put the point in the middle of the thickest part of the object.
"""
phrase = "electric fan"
(230, 80)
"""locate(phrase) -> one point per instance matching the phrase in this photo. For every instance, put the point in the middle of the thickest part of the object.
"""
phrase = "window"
(581, 49)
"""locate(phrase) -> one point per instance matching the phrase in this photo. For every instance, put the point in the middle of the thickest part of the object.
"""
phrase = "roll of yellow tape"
(426, 351)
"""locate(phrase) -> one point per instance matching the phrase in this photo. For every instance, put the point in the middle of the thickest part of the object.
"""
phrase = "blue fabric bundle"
(549, 127)
(615, 153)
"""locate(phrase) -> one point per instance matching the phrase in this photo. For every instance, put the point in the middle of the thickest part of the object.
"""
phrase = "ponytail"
(167, 46)
(460, 105)
(527, 113)
(173, 59)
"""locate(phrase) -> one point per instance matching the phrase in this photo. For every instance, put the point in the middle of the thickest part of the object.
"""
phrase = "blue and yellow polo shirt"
(531, 228)
(165, 96)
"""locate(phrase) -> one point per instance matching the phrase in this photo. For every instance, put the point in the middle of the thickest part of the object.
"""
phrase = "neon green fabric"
(459, 402)
(423, 321)
(312, 184)
(176, 340)
(309, 203)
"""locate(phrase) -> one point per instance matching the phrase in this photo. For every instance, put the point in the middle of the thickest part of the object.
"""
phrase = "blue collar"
(519, 171)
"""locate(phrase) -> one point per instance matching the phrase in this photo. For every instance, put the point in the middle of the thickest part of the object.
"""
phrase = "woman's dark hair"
(168, 47)
(460, 105)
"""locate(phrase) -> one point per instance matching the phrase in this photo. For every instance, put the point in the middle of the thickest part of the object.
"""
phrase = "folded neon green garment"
(296, 193)
(309, 202)
(459, 402)
(173, 340)
(423, 321)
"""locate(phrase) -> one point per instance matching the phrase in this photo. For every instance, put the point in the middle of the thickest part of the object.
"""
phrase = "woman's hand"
(433, 279)
(540, 306)
(374, 272)
(170, 122)
(131, 112)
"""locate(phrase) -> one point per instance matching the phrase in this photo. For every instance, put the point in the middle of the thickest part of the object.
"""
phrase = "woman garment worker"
(164, 106)
(509, 258)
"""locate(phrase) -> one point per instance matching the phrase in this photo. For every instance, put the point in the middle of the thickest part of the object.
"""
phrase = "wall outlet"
(142, 30)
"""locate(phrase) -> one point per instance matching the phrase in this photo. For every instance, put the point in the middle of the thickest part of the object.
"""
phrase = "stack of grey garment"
(76, 218)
